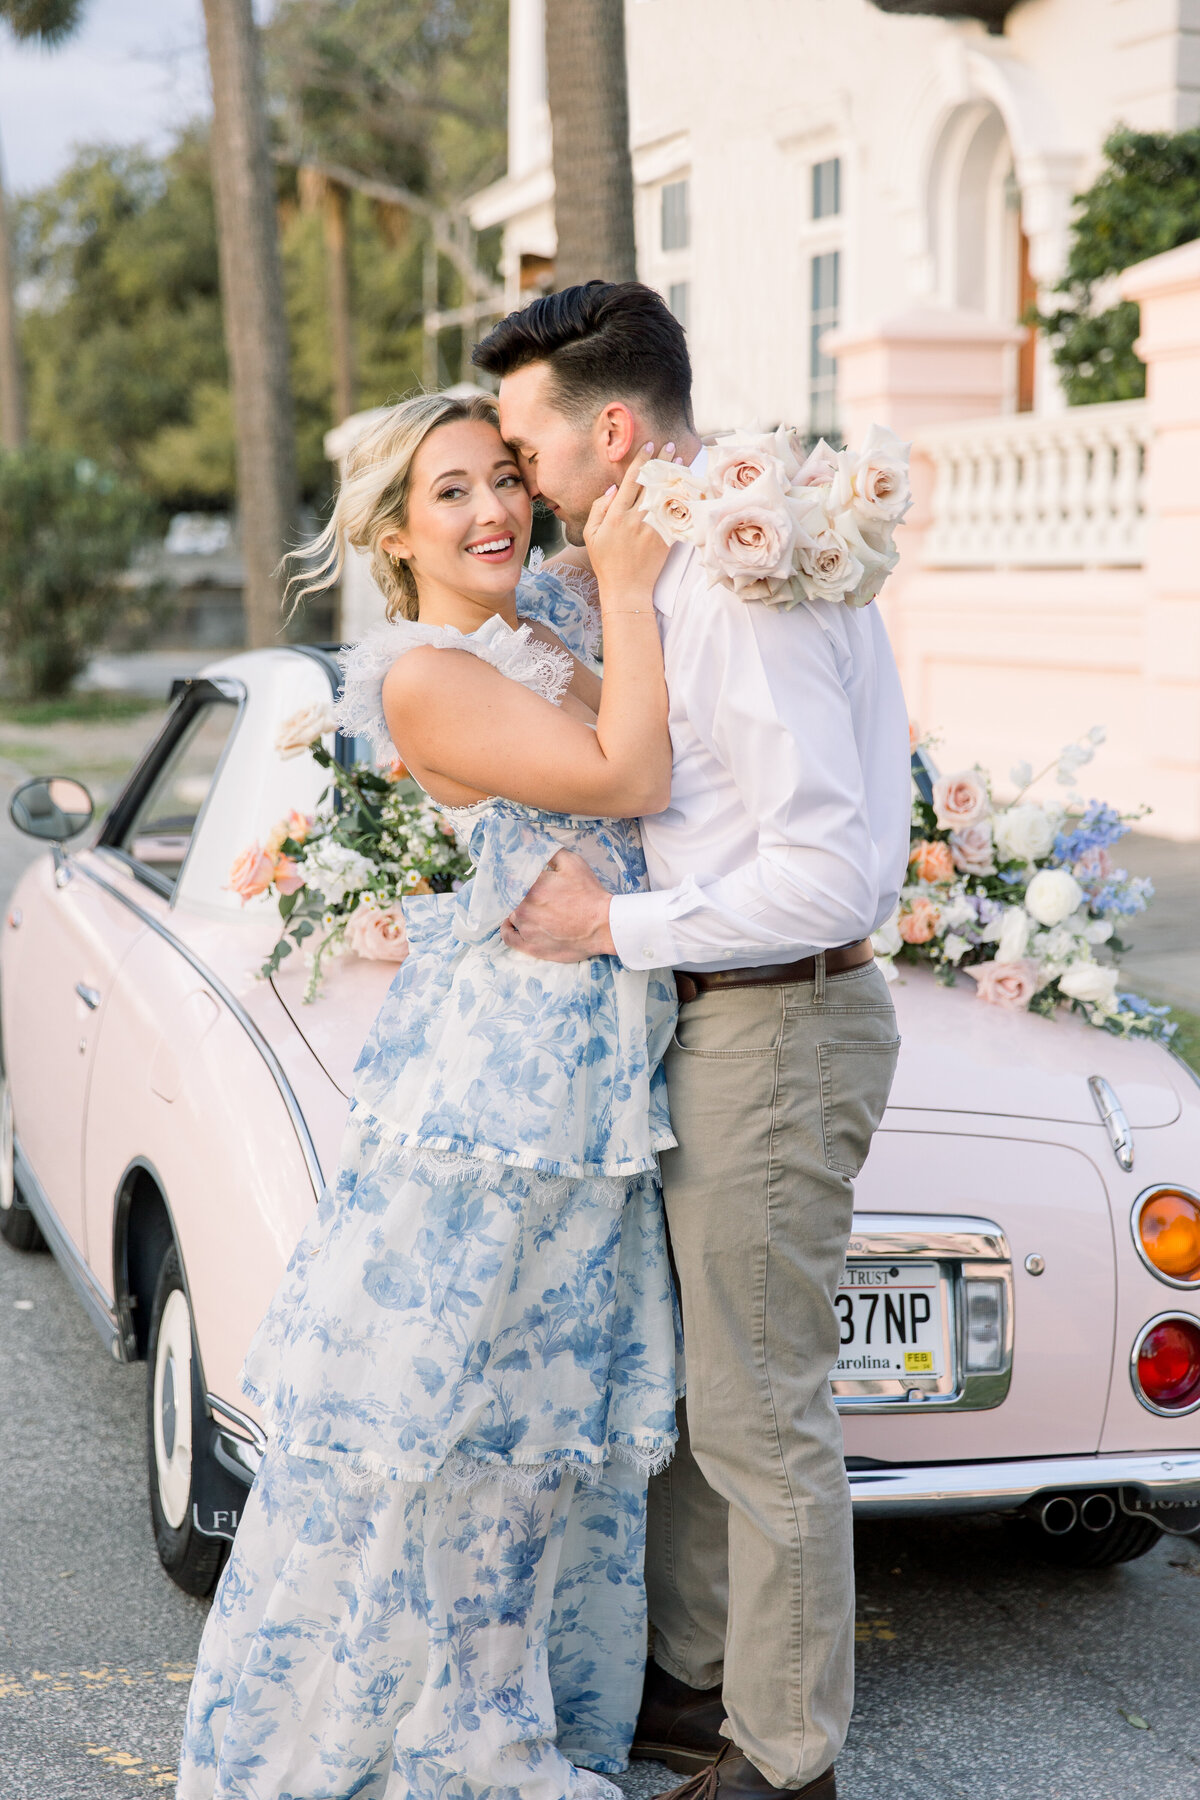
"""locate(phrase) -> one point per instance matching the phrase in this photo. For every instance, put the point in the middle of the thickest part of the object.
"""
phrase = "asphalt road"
(981, 1674)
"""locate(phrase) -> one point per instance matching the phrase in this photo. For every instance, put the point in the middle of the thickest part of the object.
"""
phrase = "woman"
(469, 1370)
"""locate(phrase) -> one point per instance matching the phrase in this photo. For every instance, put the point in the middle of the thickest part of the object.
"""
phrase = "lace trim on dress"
(361, 1472)
(544, 668)
(543, 1189)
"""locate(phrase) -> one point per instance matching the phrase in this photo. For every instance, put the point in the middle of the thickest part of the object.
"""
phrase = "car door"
(70, 940)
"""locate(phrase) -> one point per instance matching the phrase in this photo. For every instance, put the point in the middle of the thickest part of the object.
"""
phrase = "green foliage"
(49, 20)
(122, 332)
(410, 91)
(122, 329)
(67, 533)
(1146, 200)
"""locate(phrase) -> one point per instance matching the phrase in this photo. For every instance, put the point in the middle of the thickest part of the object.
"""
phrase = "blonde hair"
(372, 500)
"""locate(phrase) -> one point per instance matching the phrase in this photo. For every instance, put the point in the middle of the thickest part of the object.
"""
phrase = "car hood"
(961, 1056)
(336, 1023)
(958, 1056)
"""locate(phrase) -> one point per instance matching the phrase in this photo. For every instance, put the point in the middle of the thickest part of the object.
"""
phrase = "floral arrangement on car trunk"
(1024, 897)
(341, 874)
(775, 523)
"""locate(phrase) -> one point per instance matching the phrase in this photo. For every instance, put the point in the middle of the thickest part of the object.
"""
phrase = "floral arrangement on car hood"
(1024, 897)
(341, 875)
(773, 523)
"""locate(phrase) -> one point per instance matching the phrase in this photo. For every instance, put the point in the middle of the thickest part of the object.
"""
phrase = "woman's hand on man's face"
(627, 554)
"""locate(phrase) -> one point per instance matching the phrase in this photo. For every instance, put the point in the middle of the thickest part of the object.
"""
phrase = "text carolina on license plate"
(891, 1321)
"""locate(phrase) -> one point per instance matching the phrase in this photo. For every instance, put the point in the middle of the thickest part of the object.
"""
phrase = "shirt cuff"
(641, 930)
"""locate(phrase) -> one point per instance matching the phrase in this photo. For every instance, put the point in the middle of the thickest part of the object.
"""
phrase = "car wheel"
(1123, 1541)
(175, 1436)
(18, 1226)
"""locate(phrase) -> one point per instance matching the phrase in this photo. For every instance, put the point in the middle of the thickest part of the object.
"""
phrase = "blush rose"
(377, 933)
(1011, 984)
(960, 800)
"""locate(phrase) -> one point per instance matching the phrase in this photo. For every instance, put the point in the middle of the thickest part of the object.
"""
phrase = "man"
(783, 848)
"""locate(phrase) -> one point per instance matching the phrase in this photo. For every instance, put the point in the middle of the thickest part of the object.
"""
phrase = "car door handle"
(89, 995)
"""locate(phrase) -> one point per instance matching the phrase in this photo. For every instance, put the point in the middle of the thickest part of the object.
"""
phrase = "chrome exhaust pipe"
(1058, 1515)
(1097, 1512)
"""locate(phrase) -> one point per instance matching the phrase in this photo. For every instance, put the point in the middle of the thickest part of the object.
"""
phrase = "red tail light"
(1166, 1364)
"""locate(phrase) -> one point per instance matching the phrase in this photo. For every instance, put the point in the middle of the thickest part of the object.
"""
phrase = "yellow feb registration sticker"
(918, 1362)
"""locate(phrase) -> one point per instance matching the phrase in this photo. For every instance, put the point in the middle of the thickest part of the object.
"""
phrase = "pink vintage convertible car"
(1021, 1310)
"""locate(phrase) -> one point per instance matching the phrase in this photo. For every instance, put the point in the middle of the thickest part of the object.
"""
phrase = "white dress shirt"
(788, 827)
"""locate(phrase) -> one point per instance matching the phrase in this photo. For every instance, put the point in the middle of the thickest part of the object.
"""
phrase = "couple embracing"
(603, 1136)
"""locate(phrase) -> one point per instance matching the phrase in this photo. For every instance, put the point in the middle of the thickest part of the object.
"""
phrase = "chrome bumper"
(1004, 1486)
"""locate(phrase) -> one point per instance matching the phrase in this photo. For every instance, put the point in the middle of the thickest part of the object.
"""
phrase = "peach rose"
(914, 734)
(1011, 984)
(932, 861)
(287, 876)
(960, 800)
(251, 873)
(972, 849)
(377, 933)
(394, 770)
(918, 921)
(296, 826)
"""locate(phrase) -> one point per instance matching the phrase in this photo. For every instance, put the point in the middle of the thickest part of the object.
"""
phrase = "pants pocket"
(856, 1079)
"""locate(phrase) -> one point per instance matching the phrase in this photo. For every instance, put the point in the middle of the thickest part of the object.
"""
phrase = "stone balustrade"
(1022, 491)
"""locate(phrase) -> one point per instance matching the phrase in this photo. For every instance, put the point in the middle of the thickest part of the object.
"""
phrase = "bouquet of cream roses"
(340, 876)
(1025, 897)
(775, 524)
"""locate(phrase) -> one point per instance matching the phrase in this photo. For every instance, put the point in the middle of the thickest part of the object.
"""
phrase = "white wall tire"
(18, 1226)
(175, 1420)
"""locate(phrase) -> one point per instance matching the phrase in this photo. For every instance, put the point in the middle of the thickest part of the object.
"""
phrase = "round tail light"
(1166, 1364)
(1166, 1230)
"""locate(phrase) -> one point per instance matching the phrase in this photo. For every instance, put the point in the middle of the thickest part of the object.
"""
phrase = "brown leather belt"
(690, 985)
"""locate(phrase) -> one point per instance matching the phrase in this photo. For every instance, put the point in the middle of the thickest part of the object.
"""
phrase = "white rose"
(733, 467)
(1013, 941)
(818, 468)
(673, 502)
(1052, 896)
(1097, 931)
(887, 939)
(1023, 833)
(781, 445)
(825, 565)
(873, 482)
(749, 543)
(301, 730)
(1092, 983)
(954, 947)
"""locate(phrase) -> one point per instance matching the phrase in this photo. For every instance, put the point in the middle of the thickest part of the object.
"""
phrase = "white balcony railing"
(1022, 491)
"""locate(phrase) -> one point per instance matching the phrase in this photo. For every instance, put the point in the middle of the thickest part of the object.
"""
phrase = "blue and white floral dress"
(470, 1367)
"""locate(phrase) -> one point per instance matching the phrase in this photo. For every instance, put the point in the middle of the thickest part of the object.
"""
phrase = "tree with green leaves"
(1145, 200)
(44, 22)
(68, 530)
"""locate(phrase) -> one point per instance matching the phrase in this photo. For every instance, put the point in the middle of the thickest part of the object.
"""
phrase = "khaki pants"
(775, 1092)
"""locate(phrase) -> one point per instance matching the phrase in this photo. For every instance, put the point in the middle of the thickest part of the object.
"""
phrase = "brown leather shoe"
(678, 1725)
(734, 1777)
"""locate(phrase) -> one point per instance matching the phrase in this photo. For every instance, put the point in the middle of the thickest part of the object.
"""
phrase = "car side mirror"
(51, 807)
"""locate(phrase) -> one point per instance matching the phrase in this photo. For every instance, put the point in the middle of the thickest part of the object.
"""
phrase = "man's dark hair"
(604, 340)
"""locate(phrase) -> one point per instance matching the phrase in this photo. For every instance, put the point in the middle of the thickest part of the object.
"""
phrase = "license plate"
(891, 1321)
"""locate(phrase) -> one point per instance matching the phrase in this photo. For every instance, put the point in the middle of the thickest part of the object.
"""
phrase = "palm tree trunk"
(589, 115)
(12, 410)
(335, 210)
(252, 304)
